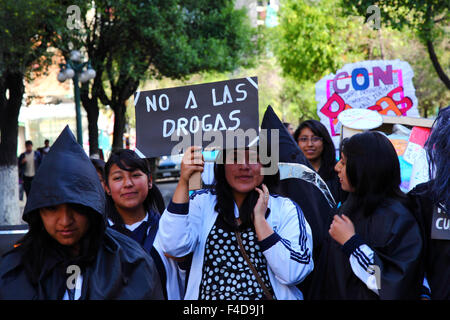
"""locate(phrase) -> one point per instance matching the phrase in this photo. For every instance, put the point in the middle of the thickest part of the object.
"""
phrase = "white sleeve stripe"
(366, 263)
(362, 259)
(359, 259)
(366, 273)
(296, 256)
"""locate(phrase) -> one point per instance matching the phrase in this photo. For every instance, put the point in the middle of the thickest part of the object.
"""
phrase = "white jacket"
(184, 228)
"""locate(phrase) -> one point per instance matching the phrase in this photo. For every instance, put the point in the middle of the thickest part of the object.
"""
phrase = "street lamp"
(73, 69)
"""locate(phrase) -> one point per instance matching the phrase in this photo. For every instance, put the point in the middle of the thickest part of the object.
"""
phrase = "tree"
(313, 39)
(428, 18)
(129, 41)
(26, 30)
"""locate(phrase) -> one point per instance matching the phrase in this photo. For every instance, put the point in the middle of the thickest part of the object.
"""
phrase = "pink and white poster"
(385, 86)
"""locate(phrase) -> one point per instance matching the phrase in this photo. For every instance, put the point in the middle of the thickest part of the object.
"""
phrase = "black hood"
(289, 150)
(66, 175)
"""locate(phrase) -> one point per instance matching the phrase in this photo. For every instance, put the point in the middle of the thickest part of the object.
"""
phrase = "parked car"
(169, 167)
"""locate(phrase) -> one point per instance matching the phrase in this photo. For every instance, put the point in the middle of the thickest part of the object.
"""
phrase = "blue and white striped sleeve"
(179, 226)
(289, 249)
(361, 258)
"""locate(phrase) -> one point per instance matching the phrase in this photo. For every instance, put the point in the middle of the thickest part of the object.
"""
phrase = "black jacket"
(313, 203)
(122, 270)
(436, 262)
(118, 269)
(393, 233)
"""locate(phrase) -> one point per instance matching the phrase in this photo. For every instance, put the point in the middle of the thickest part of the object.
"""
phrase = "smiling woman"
(247, 244)
(134, 207)
(315, 142)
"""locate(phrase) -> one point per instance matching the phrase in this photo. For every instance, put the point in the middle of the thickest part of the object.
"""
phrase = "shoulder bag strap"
(252, 267)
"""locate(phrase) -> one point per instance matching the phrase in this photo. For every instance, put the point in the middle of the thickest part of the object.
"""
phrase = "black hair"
(99, 165)
(28, 142)
(225, 200)
(37, 245)
(372, 169)
(438, 151)
(128, 160)
(328, 156)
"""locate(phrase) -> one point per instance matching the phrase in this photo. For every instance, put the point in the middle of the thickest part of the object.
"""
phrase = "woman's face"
(64, 224)
(310, 144)
(243, 171)
(341, 169)
(128, 189)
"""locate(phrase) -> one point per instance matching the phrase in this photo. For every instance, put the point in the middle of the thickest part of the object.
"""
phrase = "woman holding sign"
(247, 244)
(431, 203)
(375, 246)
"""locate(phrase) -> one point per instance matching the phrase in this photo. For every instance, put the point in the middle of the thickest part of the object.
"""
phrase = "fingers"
(345, 218)
(193, 161)
(337, 218)
(266, 190)
(193, 155)
(264, 193)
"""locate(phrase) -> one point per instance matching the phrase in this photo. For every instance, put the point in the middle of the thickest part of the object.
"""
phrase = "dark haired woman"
(246, 244)
(375, 246)
(134, 206)
(315, 142)
(68, 253)
(431, 203)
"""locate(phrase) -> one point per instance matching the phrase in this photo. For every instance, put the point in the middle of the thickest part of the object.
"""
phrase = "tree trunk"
(92, 110)
(119, 125)
(437, 65)
(124, 89)
(10, 211)
(9, 111)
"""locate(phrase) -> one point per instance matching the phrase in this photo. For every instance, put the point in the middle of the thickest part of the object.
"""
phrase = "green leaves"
(309, 44)
(27, 27)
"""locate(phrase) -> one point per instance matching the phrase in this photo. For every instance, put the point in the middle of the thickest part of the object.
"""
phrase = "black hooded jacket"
(118, 268)
(311, 200)
(393, 233)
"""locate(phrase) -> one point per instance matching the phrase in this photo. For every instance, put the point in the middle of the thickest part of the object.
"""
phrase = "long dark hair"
(328, 156)
(128, 160)
(37, 245)
(438, 151)
(225, 200)
(373, 170)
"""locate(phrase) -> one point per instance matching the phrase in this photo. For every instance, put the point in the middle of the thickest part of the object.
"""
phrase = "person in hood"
(374, 246)
(68, 253)
(431, 203)
(308, 196)
(247, 244)
(134, 206)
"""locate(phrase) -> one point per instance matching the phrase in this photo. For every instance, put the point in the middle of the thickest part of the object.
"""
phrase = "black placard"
(440, 224)
(215, 107)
